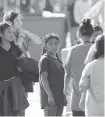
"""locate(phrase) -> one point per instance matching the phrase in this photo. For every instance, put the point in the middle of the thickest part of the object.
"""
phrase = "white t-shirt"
(93, 80)
(89, 56)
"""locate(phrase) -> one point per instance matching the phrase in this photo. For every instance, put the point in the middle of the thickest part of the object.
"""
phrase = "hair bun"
(86, 22)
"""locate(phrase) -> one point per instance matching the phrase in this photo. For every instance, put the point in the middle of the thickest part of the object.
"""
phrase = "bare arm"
(67, 75)
(66, 83)
(47, 89)
(45, 84)
(32, 36)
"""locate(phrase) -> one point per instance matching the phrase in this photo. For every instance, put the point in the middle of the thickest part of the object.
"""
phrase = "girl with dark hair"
(22, 37)
(12, 99)
(51, 74)
(75, 65)
(97, 30)
(92, 81)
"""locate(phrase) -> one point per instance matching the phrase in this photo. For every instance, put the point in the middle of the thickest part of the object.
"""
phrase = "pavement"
(34, 100)
(34, 110)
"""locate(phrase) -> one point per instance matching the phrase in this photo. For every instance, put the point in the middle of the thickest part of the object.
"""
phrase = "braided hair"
(46, 39)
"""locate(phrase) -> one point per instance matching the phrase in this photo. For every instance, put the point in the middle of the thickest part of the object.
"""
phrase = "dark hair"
(10, 16)
(3, 26)
(46, 39)
(97, 28)
(86, 28)
(99, 45)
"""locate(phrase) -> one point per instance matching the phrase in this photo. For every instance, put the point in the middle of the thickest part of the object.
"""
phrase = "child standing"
(75, 65)
(51, 74)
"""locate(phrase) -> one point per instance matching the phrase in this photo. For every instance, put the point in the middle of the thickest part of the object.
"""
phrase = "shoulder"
(44, 58)
(75, 48)
(90, 64)
(92, 48)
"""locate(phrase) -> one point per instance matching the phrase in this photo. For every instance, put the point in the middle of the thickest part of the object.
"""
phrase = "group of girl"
(86, 86)
(54, 78)
(13, 99)
(87, 81)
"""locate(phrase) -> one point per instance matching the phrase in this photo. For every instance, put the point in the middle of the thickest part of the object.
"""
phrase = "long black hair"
(99, 45)
(45, 41)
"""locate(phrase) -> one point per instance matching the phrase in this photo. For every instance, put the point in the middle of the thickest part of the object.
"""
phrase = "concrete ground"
(34, 109)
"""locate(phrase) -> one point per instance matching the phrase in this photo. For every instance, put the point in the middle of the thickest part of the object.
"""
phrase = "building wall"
(42, 26)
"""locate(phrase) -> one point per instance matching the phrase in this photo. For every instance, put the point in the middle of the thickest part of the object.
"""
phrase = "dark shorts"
(53, 111)
(12, 96)
(78, 113)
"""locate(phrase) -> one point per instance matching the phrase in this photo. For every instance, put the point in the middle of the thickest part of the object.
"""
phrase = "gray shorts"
(53, 111)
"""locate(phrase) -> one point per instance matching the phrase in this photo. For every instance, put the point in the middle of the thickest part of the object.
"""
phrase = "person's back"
(92, 81)
(76, 64)
(95, 93)
(97, 78)
(78, 56)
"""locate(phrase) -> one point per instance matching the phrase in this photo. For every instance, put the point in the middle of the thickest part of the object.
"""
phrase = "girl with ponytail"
(51, 74)
(75, 65)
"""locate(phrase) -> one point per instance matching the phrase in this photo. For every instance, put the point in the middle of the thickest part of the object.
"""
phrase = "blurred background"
(33, 6)
(67, 13)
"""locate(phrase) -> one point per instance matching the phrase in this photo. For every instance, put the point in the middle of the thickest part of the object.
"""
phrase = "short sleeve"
(43, 65)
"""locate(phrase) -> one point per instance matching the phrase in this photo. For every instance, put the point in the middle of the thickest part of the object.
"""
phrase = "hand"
(19, 69)
(65, 101)
(21, 30)
(51, 101)
(66, 92)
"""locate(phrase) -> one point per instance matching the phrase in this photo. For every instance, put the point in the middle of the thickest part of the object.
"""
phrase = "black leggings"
(78, 113)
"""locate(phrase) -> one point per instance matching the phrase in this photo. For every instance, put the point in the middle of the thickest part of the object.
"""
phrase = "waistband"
(8, 79)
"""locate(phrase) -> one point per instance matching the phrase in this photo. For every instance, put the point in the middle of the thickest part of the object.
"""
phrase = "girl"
(21, 36)
(75, 65)
(12, 99)
(51, 77)
(97, 30)
(92, 81)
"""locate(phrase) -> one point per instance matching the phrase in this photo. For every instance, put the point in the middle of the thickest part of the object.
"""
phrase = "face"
(95, 34)
(52, 46)
(17, 22)
(8, 35)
